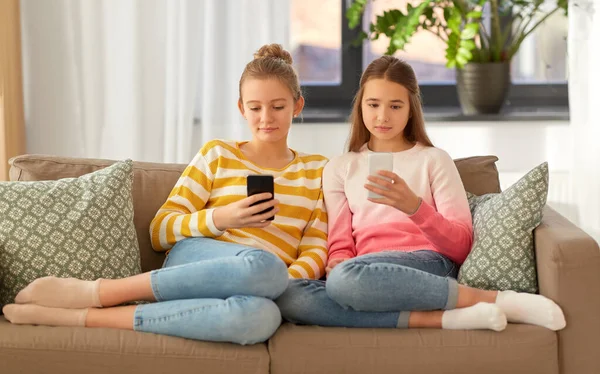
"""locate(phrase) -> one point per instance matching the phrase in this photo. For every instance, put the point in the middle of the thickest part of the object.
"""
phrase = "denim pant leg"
(208, 268)
(237, 319)
(306, 302)
(215, 291)
(395, 281)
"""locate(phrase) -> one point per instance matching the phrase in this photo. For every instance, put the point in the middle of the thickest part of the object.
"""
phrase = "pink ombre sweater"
(357, 226)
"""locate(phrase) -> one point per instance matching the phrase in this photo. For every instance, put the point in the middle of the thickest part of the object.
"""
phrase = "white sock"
(61, 293)
(531, 309)
(476, 317)
(30, 314)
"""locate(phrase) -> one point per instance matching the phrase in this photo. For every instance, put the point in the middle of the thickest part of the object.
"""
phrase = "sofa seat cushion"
(41, 349)
(312, 349)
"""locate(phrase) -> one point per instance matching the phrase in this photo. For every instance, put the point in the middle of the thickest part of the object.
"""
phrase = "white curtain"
(127, 79)
(584, 80)
(232, 31)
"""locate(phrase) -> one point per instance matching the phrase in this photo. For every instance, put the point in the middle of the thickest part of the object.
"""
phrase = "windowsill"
(338, 115)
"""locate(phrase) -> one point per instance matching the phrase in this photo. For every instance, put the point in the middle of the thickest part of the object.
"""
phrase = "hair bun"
(273, 51)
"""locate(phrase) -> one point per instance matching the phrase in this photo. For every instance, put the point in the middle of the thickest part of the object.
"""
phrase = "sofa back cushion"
(153, 182)
(479, 174)
(70, 228)
(503, 255)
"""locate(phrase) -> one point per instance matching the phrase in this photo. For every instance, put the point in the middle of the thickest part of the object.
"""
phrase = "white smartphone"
(379, 161)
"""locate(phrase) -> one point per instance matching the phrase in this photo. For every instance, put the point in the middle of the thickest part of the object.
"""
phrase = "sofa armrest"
(568, 266)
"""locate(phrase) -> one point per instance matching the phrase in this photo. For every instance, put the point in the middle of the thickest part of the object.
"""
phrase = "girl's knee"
(257, 322)
(269, 272)
(294, 300)
(342, 284)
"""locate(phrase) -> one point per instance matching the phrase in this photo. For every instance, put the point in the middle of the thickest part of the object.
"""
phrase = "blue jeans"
(215, 291)
(375, 290)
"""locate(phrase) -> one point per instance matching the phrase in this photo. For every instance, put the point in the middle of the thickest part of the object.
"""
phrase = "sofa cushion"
(502, 256)
(77, 227)
(479, 174)
(520, 349)
(152, 183)
(76, 350)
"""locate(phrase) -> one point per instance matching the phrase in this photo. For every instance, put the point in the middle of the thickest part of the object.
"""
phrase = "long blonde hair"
(397, 71)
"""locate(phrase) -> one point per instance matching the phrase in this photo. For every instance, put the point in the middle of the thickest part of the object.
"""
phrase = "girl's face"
(268, 106)
(385, 109)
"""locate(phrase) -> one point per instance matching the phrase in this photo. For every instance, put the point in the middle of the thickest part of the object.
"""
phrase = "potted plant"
(479, 45)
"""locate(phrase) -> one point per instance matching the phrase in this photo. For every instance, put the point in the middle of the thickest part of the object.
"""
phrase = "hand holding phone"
(379, 161)
(398, 193)
(256, 210)
(260, 184)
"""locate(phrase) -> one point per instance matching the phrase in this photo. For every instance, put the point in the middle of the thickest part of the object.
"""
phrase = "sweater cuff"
(422, 214)
(339, 255)
(210, 223)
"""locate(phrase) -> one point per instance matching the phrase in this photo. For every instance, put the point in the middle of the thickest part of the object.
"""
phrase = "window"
(316, 39)
(542, 57)
(330, 67)
(425, 53)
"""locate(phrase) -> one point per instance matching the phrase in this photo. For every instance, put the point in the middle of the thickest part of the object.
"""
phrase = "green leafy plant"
(461, 25)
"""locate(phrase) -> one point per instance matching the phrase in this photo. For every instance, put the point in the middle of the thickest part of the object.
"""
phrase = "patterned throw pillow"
(502, 256)
(75, 227)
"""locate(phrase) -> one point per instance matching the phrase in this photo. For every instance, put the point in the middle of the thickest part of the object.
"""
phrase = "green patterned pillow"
(502, 256)
(74, 227)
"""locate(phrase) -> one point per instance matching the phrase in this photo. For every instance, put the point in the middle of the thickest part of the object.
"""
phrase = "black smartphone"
(258, 184)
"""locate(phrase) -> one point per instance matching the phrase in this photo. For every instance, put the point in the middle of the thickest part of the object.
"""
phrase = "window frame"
(534, 96)
(340, 96)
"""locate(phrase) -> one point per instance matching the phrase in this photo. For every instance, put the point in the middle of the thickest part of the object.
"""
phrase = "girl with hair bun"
(227, 258)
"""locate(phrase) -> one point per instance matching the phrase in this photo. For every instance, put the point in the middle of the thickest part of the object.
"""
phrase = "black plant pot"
(482, 87)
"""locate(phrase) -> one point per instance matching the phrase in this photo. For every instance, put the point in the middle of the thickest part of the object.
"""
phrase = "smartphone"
(258, 184)
(379, 161)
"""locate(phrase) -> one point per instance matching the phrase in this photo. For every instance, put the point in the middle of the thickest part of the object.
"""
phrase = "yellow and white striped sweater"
(217, 177)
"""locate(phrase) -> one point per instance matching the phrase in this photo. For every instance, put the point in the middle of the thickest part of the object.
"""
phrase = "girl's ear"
(298, 106)
(241, 106)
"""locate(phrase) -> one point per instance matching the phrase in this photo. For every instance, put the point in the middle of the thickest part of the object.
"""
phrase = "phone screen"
(258, 184)
(379, 161)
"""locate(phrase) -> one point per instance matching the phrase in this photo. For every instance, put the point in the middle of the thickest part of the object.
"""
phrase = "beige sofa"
(568, 263)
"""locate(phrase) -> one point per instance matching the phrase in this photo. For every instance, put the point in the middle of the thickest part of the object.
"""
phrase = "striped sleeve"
(183, 214)
(312, 251)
